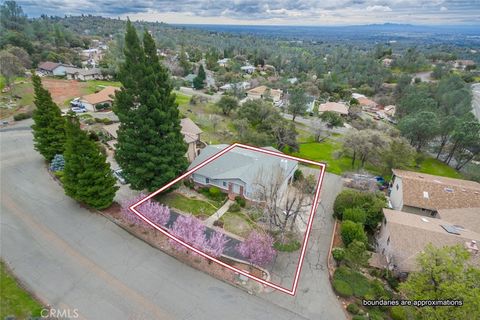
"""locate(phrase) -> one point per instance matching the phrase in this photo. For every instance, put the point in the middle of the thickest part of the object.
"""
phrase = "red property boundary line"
(316, 200)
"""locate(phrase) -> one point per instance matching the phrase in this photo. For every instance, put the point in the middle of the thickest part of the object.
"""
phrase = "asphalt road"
(75, 259)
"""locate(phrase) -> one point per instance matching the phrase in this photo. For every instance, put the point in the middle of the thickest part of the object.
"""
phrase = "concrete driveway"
(75, 259)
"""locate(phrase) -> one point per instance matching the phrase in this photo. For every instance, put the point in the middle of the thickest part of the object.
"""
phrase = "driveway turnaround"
(72, 258)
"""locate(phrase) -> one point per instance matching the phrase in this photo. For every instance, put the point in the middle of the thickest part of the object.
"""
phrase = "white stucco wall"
(396, 194)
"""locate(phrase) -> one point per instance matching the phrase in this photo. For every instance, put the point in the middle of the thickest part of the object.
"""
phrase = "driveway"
(476, 100)
(72, 258)
(312, 122)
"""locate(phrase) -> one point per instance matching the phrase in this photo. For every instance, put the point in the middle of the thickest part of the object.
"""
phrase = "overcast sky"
(259, 12)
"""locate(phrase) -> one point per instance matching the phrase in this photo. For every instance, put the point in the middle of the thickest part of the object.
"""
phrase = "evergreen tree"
(199, 80)
(150, 149)
(49, 125)
(87, 176)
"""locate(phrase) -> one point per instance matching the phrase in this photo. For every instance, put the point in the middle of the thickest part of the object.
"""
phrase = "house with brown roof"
(404, 235)
(263, 92)
(191, 135)
(83, 74)
(336, 107)
(463, 217)
(104, 96)
(426, 194)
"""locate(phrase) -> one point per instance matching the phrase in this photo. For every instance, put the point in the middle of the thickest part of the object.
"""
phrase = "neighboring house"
(426, 194)
(404, 235)
(336, 107)
(364, 102)
(248, 69)
(292, 80)
(191, 135)
(105, 96)
(464, 64)
(223, 62)
(189, 78)
(240, 171)
(263, 92)
(83, 74)
(52, 68)
(239, 86)
(463, 217)
(387, 62)
(390, 110)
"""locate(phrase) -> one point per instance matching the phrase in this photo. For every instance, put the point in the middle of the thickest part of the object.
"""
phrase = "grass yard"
(94, 85)
(438, 168)
(14, 300)
(185, 204)
(181, 98)
(237, 223)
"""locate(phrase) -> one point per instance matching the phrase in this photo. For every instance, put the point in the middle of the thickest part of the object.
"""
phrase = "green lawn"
(14, 300)
(438, 168)
(181, 98)
(182, 203)
(94, 85)
(237, 223)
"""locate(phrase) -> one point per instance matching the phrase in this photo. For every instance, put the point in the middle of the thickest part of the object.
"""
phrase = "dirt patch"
(63, 90)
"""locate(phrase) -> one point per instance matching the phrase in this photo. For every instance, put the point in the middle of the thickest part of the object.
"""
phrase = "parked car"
(78, 109)
(119, 175)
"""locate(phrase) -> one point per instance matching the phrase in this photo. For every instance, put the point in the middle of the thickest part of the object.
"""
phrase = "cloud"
(267, 11)
(378, 9)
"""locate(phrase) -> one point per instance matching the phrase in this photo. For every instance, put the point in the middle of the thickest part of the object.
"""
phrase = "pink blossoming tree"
(152, 210)
(192, 231)
(257, 249)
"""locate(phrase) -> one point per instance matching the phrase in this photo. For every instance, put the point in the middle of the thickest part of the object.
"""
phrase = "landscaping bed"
(160, 241)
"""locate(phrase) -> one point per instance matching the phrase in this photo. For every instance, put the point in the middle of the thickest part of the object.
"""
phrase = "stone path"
(220, 212)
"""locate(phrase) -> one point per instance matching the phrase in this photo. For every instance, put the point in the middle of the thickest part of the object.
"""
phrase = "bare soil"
(63, 90)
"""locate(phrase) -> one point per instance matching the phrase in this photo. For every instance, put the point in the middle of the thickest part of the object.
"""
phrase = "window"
(207, 180)
(397, 186)
(388, 241)
(224, 183)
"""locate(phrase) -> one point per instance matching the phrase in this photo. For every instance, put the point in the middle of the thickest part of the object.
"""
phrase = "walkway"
(220, 212)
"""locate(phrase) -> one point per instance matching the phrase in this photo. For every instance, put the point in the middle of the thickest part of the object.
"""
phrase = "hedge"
(342, 288)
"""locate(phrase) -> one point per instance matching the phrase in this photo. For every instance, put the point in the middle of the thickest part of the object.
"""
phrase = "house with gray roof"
(240, 172)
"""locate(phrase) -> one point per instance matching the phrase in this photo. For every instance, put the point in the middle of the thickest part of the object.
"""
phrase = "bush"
(338, 254)
(290, 246)
(22, 116)
(189, 183)
(352, 231)
(298, 175)
(371, 203)
(356, 281)
(398, 313)
(353, 308)
(342, 288)
(218, 223)
(241, 201)
(357, 317)
(103, 120)
(355, 214)
(58, 163)
(235, 207)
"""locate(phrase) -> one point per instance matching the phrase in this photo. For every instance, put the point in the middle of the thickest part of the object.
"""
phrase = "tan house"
(104, 96)
(464, 217)
(83, 74)
(262, 92)
(426, 194)
(191, 135)
(336, 107)
(404, 235)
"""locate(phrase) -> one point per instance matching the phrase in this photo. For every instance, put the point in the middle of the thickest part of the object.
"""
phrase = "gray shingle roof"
(239, 163)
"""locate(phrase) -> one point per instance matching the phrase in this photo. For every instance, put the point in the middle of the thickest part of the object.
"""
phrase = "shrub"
(398, 313)
(358, 282)
(189, 183)
(289, 246)
(352, 231)
(218, 223)
(235, 207)
(371, 203)
(358, 317)
(342, 288)
(241, 201)
(22, 116)
(297, 175)
(355, 214)
(58, 163)
(356, 255)
(338, 254)
(353, 308)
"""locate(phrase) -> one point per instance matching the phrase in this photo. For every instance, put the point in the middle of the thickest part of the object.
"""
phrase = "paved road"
(476, 100)
(312, 122)
(73, 258)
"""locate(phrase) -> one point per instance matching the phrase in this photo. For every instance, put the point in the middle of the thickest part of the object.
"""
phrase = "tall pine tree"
(150, 148)
(87, 177)
(49, 125)
(199, 80)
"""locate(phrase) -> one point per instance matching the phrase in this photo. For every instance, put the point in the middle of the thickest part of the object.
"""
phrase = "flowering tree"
(152, 210)
(216, 244)
(192, 231)
(257, 249)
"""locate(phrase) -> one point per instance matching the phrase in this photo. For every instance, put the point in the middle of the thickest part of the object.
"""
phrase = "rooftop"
(334, 107)
(431, 192)
(104, 95)
(465, 217)
(49, 66)
(239, 163)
